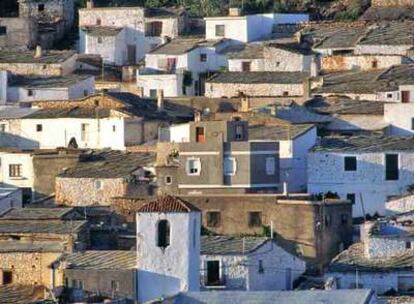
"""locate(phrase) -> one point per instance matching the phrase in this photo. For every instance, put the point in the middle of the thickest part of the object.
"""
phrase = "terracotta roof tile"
(168, 204)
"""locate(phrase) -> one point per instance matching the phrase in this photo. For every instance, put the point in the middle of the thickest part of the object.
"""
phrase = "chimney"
(285, 189)
(307, 89)
(245, 104)
(234, 12)
(315, 66)
(39, 52)
(90, 4)
(197, 116)
(160, 100)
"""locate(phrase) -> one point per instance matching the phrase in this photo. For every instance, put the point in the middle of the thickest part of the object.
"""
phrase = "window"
(153, 93)
(30, 93)
(98, 184)
(41, 7)
(344, 219)
(220, 30)
(285, 93)
(213, 219)
(351, 197)
(213, 277)
(168, 180)
(153, 29)
(3, 30)
(239, 132)
(39, 128)
(113, 128)
(229, 166)
(405, 96)
(200, 135)
(115, 286)
(270, 165)
(100, 40)
(171, 64)
(193, 166)
(391, 167)
(98, 21)
(407, 245)
(412, 123)
(7, 277)
(15, 170)
(44, 67)
(85, 92)
(389, 95)
(203, 57)
(246, 66)
(84, 131)
(163, 239)
(2, 128)
(255, 219)
(261, 268)
(374, 64)
(350, 163)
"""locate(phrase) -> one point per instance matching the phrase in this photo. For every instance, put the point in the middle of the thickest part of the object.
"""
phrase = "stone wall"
(34, 69)
(387, 246)
(229, 90)
(20, 32)
(28, 268)
(365, 62)
(391, 3)
(88, 191)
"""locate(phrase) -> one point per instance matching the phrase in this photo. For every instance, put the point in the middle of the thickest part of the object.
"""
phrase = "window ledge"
(17, 178)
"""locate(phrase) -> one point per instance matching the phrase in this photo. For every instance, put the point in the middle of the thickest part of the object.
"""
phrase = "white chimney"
(234, 12)
(160, 99)
(197, 116)
(90, 4)
(3, 87)
(39, 52)
(285, 189)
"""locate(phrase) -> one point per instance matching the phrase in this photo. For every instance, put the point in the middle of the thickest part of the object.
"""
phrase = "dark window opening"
(100, 40)
(163, 240)
(200, 137)
(405, 96)
(3, 30)
(407, 245)
(153, 93)
(350, 163)
(153, 29)
(15, 170)
(374, 64)
(168, 180)
(344, 219)
(255, 219)
(98, 21)
(41, 7)
(261, 268)
(29, 92)
(213, 219)
(213, 273)
(391, 167)
(285, 93)
(7, 277)
(39, 128)
(220, 30)
(246, 66)
(203, 57)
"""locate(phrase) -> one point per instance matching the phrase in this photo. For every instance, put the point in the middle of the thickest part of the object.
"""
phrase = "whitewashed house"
(363, 169)
(400, 116)
(168, 248)
(382, 261)
(98, 121)
(16, 168)
(247, 263)
(181, 66)
(246, 28)
(27, 88)
(123, 35)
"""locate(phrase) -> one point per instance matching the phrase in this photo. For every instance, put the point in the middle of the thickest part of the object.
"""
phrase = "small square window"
(98, 184)
(15, 170)
(41, 7)
(85, 93)
(389, 95)
(39, 128)
(407, 245)
(193, 166)
(203, 57)
(255, 219)
(99, 40)
(115, 286)
(246, 66)
(351, 197)
(350, 163)
(220, 30)
(30, 93)
(213, 219)
(285, 93)
(168, 180)
(2, 128)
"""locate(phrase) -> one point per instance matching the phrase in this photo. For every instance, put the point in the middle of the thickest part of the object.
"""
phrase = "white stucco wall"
(171, 84)
(3, 87)
(27, 172)
(113, 49)
(326, 173)
(400, 116)
(165, 272)
(235, 28)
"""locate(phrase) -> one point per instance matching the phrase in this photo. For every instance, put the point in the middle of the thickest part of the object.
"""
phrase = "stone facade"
(392, 3)
(360, 62)
(20, 33)
(28, 268)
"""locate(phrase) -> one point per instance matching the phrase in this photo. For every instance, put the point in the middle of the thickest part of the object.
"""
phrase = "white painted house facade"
(249, 263)
(365, 170)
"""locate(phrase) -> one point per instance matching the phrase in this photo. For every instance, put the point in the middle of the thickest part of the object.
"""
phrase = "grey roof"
(296, 48)
(368, 82)
(12, 294)
(20, 246)
(38, 214)
(345, 106)
(42, 227)
(300, 115)
(354, 258)
(260, 77)
(392, 33)
(102, 259)
(249, 51)
(109, 164)
(163, 12)
(99, 31)
(387, 13)
(15, 112)
(49, 57)
(74, 112)
(232, 245)
(278, 132)
(177, 46)
(365, 144)
(44, 82)
(354, 296)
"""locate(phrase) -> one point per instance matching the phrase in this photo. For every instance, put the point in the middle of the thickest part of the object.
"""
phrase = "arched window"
(163, 239)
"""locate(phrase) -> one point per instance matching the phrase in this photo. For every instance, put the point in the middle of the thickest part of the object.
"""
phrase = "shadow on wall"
(154, 285)
(16, 141)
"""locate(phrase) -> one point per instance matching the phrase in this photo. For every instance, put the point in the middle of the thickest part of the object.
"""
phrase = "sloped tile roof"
(43, 227)
(49, 57)
(260, 77)
(99, 31)
(102, 259)
(12, 294)
(37, 213)
(231, 245)
(19, 246)
(168, 204)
